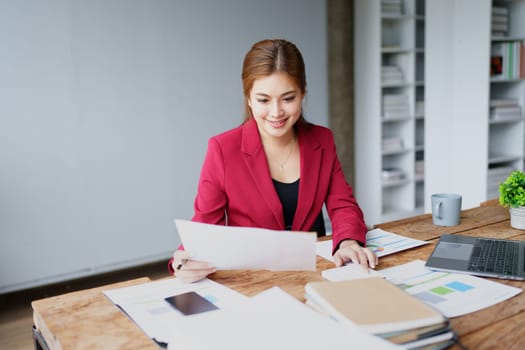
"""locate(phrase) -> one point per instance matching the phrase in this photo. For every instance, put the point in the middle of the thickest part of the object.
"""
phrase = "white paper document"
(379, 241)
(230, 248)
(145, 305)
(271, 319)
(349, 271)
(453, 294)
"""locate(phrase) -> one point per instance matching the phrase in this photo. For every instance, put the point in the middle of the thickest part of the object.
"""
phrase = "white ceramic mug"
(446, 209)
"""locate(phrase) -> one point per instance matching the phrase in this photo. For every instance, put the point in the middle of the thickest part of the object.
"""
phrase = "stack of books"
(500, 21)
(392, 75)
(383, 309)
(395, 106)
(505, 109)
(391, 7)
(392, 144)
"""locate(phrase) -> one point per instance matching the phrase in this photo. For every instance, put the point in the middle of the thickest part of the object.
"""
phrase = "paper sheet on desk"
(230, 248)
(380, 241)
(271, 319)
(145, 304)
(453, 294)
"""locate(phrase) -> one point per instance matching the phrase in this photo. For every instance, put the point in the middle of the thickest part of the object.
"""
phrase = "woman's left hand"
(350, 250)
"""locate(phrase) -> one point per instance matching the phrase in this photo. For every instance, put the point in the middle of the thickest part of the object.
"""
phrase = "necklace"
(281, 165)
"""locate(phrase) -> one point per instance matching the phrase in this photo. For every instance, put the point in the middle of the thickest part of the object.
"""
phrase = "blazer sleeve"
(210, 201)
(342, 207)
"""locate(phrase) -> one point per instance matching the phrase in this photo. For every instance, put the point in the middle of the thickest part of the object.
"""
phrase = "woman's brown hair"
(272, 56)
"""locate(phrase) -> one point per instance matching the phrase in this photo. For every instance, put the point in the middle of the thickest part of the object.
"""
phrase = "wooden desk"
(88, 320)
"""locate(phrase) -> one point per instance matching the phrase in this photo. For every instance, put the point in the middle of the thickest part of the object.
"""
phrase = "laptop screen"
(456, 251)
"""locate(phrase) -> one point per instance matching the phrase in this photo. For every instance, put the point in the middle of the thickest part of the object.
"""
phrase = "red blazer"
(235, 186)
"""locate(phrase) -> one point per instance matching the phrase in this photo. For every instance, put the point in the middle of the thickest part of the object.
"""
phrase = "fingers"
(188, 270)
(190, 276)
(356, 254)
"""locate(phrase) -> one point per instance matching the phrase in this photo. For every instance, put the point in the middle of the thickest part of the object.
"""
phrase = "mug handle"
(437, 209)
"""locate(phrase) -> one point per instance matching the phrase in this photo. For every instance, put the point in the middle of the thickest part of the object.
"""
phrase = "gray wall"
(105, 111)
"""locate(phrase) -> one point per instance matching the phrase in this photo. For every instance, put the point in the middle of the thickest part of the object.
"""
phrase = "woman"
(276, 170)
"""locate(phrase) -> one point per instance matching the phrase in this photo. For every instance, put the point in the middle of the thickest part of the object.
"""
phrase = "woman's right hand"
(188, 270)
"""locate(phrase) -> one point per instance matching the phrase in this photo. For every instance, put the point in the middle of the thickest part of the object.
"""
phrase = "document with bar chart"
(453, 294)
(379, 241)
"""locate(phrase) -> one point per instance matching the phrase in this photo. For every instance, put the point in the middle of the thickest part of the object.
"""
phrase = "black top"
(288, 194)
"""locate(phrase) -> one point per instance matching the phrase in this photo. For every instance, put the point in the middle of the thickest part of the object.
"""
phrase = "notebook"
(499, 258)
(377, 306)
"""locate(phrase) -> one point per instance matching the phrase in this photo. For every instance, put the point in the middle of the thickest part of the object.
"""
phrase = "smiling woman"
(275, 102)
(276, 170)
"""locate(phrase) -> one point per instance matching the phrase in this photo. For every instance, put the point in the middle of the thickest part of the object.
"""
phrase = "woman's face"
(275, 101)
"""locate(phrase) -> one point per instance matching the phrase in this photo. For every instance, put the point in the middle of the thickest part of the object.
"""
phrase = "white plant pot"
(517, 218)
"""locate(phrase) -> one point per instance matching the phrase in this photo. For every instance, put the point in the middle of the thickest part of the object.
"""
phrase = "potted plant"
(512, 196)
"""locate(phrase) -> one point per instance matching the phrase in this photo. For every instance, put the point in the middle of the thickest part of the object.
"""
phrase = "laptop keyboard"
(494, 256)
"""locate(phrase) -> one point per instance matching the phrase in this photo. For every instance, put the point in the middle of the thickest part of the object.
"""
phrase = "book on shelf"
(507, 60)
(500, 171)
(500, 10)
(499, 18)
(378, 307)
(500, 27)
(504, 102)
(395, 105)
(391, 144)
(497, 57)
(505, 113)
(391, 7)
(392, 75)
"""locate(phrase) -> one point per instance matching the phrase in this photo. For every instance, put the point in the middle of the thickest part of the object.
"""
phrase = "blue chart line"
(395, 242)
(376, 237)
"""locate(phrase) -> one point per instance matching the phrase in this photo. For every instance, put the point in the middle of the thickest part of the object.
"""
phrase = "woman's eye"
(262, 100)
(289, 98)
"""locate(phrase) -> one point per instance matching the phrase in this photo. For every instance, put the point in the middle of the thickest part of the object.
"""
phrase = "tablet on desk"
(190, 303)
(489, 257)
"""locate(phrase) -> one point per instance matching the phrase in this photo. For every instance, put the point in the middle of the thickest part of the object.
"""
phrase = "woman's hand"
(350, 250)
(188, 270)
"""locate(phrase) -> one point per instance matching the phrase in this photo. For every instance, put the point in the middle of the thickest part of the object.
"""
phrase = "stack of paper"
(381, 308)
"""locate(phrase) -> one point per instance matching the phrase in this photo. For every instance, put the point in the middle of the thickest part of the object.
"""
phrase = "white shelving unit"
(389, 108)
(468, 149)
(507, 92)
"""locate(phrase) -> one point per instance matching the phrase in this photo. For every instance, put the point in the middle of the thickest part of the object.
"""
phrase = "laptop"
(499, 258)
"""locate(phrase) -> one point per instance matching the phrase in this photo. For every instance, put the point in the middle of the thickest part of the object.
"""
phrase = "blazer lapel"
(253, 153)
(311, 156)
